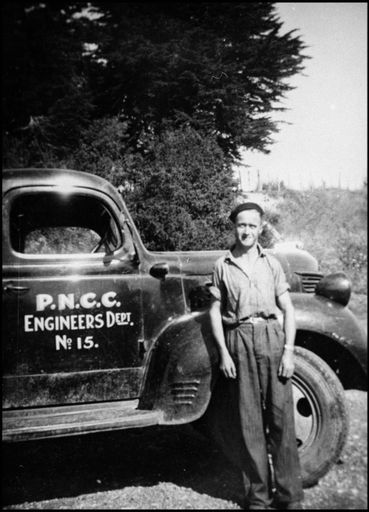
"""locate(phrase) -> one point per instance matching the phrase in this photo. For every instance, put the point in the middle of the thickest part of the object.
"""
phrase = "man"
(254, 395)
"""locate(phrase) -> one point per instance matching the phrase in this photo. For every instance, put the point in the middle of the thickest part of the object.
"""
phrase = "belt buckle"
(253, 319)
(250, 320)
(256, 319)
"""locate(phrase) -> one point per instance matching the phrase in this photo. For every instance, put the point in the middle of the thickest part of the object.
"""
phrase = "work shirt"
(243, 294)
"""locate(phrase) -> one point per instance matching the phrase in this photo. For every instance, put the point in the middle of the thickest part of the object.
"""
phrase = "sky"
(326, 142)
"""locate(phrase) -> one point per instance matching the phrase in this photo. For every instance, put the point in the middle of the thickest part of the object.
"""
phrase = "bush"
(178, 185)
(182, 192)
(332, 224)
(352, 253)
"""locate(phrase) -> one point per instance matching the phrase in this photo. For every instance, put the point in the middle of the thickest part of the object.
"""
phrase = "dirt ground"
(165, 468)
(162, 468)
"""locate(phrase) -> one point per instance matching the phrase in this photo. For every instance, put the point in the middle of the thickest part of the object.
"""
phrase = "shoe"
(258, 507)
(292, 505)
(250, 506)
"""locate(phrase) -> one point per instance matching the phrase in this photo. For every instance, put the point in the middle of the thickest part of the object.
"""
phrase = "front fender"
(181, 369)
(314, 313)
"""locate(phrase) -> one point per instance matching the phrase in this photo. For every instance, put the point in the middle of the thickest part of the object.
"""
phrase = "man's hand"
(287, 365)
(227, 366)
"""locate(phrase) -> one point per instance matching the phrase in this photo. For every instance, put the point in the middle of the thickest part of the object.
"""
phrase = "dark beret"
(245, 206)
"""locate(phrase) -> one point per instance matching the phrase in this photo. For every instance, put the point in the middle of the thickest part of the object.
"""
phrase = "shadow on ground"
(69, 467)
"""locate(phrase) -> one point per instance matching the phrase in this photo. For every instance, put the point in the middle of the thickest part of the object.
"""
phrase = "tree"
(184, 192)
(159, 94)
(45, 93)
(218, 67)
(179, 185)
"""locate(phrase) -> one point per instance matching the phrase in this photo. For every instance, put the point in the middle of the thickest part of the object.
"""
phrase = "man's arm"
(226, 363)
(287, 365)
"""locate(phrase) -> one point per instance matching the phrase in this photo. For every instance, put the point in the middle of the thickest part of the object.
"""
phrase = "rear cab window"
(47, 223)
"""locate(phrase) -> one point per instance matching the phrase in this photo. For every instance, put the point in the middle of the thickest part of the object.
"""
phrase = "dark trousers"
(256, 409)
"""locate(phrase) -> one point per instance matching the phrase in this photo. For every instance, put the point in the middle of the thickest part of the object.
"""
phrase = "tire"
(321, 418)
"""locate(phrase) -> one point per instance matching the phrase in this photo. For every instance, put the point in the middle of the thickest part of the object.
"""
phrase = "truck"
(100, 333)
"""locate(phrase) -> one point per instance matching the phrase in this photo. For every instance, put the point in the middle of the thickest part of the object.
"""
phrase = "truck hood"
(202, 262)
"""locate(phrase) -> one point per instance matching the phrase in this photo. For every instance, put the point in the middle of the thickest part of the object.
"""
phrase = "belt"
(252, 319)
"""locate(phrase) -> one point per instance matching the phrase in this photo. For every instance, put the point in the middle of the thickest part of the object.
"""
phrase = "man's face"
(248, 228)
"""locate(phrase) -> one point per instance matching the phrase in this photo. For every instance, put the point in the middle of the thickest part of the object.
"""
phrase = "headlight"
(336, 287)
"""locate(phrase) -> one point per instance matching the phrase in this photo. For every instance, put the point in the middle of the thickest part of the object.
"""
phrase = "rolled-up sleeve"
(216, 288)
(280, 281)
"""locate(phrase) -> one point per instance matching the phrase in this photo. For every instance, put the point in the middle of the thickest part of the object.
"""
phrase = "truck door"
(72, 314)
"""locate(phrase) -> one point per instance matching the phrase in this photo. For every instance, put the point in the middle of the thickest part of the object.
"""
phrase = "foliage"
(156, 97)
(332, 224)
(220, 68)
(183, 193)
(61, 240)
(352, 252)
(273, 188)
(103, 150)
(44, 81)
(177, 187)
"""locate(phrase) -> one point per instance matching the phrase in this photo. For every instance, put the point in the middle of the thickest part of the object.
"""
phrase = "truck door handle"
(11, 287)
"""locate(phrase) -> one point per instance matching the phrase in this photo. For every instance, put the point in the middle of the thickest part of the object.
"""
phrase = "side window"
(51, 223)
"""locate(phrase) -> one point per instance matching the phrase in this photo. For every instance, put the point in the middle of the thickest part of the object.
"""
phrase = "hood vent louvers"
(309, 280)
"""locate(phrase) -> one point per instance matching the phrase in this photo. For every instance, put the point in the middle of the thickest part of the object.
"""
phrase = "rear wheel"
(321, 419)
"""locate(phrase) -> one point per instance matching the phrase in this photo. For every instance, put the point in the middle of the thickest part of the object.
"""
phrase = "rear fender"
(181, 369)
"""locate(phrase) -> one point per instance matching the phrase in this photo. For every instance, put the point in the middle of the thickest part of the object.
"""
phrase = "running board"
(69, 420)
